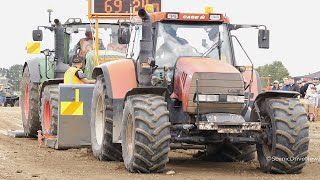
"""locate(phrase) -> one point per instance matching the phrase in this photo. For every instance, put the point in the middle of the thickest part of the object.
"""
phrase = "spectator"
(286, 86)
(311, 102)
(275, 85)
(304, 88)
(2, 95)
(280, 86)
(293, 85)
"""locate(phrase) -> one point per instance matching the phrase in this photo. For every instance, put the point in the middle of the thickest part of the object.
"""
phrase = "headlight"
(78, 20)
(71, 20)
(69, 30)
(235, 99)
(207, 98)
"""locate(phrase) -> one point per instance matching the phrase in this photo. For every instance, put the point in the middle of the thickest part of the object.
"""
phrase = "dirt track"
(23, 159)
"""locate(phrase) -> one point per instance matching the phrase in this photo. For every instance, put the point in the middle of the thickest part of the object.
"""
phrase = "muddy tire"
(49, 109)
(145, 134)
(286, 138)
(102, 125)
(29, 105)
(230, 152)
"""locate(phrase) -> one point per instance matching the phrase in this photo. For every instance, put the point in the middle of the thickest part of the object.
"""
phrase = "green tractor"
(42, 80)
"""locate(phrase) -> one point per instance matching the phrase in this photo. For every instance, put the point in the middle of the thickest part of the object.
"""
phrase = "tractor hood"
(213, 77)
(191, 65)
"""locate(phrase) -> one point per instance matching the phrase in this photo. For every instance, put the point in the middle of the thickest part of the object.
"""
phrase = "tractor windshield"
(81, 40)
(195, 40)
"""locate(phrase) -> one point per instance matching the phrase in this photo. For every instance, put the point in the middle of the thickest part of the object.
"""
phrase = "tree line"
(13, 74)
(276, 71)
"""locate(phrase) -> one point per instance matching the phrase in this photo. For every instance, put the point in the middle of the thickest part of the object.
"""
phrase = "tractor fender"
(150, 90)
(120, 77)
(34, 70)
(267, 94)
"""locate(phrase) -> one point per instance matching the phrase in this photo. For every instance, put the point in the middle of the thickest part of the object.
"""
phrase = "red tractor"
(179, 87)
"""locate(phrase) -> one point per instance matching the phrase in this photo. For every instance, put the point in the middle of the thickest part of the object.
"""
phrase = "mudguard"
(120, 78)
(34, 70)
(266, 94)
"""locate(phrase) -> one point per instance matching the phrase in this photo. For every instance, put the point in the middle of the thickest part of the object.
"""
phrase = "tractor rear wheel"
(230, 152)
(102, 124)
(29, 104)
(49, 109)
(285, 138)
(145, 134)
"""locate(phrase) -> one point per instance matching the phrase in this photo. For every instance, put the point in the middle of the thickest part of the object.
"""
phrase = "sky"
(293, 27)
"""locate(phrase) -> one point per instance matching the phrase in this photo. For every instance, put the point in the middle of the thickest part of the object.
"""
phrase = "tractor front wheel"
(285, 137)
(145, 134)
(102, 124)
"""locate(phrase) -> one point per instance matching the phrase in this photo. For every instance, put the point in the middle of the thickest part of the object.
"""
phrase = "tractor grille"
(216, 84)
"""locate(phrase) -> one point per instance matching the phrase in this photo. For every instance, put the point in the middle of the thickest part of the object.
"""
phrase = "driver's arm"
(83, 78)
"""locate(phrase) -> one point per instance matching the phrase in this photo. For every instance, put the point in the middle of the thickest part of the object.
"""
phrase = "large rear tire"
(29, 104)
(145, 134)
(230, 152)
(102, 124)
(49, 109)
(286, 138)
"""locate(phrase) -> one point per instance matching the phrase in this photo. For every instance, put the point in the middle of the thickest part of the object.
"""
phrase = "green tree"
(276, 70)
(14, 76)
(3, 72)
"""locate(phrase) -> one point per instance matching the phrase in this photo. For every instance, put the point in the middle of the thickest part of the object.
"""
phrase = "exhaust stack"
(146, 47)
(61, 67)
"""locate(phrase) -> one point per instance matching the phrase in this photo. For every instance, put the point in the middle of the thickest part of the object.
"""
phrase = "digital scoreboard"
(122, 6)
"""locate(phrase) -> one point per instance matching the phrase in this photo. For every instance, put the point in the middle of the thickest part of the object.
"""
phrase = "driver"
(86, 44)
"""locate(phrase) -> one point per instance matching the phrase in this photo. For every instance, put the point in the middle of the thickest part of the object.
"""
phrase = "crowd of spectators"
(310, 91)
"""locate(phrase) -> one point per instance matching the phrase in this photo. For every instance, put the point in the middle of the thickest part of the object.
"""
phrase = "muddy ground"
(23, 159)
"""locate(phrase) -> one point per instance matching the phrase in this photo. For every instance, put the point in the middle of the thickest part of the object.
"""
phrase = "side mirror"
(123, 35)
(264, 38)
(37, 35)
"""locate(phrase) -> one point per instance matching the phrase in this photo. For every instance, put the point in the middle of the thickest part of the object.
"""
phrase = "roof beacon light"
(208, 9)
(149, 8)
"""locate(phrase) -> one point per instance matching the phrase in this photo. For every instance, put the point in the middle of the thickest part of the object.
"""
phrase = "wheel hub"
(26, 102)
(130, 135)
(99, 121)
(47, 117)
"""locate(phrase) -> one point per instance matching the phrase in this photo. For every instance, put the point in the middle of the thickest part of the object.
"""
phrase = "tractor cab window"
(82, 42)
(192, 40)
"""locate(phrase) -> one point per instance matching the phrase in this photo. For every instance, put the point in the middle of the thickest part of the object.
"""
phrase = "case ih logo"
(193, 17)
